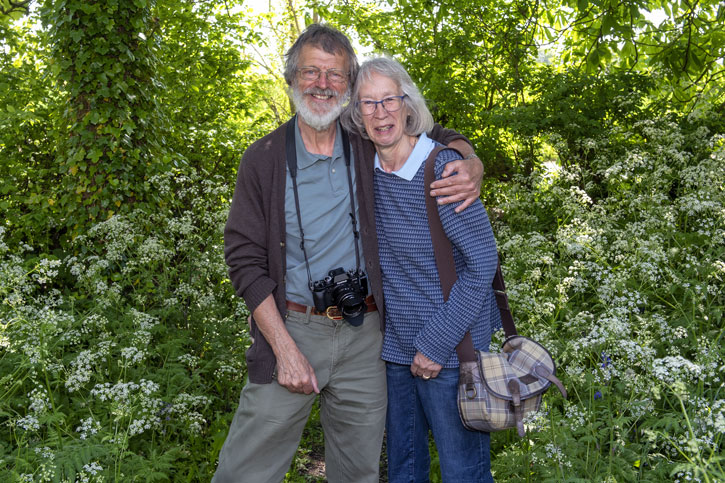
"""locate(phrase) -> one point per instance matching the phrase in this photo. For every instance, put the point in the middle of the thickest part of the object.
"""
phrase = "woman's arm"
(470, 234)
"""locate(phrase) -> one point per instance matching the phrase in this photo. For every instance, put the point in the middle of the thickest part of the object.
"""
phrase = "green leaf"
(76, 35)
(593, 60)
(628, 49)
(95, 154)
(608, 24)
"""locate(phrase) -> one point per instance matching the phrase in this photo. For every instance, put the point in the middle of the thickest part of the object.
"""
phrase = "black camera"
(346, 290)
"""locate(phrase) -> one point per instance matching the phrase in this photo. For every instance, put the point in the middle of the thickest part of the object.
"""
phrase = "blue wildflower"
(606, 360)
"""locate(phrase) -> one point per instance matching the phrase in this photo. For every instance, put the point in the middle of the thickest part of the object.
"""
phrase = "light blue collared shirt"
(420, 153)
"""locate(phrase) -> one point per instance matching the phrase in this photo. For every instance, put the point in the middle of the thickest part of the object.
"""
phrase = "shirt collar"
(305, 159)
(420, 153)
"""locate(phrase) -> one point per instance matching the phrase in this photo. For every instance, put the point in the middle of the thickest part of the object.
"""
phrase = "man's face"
(320, 102)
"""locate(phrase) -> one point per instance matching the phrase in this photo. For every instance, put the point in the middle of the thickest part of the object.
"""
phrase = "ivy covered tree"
(103, 58)
(106, 94)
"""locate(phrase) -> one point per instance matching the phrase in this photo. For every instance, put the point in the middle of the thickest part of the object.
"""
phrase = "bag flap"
(531, 362)
(495, 373)
(523, 360)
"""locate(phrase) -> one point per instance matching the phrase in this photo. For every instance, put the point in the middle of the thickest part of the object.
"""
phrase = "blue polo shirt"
(325, 211)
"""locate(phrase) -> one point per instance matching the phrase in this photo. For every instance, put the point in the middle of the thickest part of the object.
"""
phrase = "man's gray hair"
(419, 118)
(323, 37)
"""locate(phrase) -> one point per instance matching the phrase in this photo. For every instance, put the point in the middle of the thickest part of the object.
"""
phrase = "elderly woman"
(421, 329)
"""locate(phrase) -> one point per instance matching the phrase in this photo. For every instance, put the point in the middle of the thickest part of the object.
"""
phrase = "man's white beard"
(316, 121)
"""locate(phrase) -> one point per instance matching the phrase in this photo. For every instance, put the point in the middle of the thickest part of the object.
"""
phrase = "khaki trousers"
(269, 421)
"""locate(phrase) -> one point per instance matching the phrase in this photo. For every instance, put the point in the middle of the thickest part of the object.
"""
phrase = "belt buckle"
(335, 315)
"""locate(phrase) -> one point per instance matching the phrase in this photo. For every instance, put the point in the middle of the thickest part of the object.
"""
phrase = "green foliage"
(13, 9)
(27, 132)
(617, 269)
(567, 110)
(214, 102)
(686, 48)
(116, 359)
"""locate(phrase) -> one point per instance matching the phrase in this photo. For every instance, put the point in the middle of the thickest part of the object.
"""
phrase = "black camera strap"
(292, 165)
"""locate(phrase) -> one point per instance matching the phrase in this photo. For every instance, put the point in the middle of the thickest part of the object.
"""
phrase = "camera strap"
(291, 151)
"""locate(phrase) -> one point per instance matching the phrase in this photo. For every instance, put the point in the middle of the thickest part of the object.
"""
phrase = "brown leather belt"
(332, 311)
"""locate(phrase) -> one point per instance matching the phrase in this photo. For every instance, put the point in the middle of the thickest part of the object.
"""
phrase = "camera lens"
(352, 306)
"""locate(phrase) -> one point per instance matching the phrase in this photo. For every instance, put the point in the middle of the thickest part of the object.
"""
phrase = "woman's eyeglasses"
(390, 104)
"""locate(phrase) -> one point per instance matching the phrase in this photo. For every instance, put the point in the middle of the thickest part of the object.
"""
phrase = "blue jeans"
(415, 406)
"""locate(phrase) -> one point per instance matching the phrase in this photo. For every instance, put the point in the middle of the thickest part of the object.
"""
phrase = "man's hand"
(461, 180)
(295, 373)
(465, 184)
(424, 367)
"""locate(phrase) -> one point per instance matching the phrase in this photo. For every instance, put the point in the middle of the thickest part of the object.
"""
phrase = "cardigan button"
(281, 244)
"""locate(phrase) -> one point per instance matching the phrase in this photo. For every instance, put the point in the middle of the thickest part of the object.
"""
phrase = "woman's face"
(384, 128)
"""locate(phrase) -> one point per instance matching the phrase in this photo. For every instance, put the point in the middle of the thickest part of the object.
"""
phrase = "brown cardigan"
(254, 236)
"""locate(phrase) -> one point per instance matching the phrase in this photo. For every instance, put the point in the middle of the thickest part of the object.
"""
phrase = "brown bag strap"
(502, 301)
(447, 267)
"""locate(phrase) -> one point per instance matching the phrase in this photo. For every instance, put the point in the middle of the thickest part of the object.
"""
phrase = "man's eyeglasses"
(313, 73)
(390, 104)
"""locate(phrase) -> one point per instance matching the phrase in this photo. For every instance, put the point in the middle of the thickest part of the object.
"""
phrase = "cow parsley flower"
(671, 369)
(88, 427)
(29, 423)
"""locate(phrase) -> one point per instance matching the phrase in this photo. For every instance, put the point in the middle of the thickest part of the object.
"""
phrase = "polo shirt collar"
(305, 159)
(417, 157)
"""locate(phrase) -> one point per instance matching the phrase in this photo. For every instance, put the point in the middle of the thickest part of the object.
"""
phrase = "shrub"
(123, 357)
(619, 272)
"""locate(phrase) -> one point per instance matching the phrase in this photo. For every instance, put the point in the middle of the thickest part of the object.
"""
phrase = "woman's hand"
(424, 367)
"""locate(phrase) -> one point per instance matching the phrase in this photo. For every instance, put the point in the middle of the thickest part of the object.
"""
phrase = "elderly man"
(300, 244)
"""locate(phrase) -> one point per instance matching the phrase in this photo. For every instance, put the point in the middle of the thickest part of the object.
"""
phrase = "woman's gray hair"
(326, 38)
(419, 118)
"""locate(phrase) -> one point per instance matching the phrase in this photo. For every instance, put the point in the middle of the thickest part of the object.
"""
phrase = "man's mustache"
(321, 92)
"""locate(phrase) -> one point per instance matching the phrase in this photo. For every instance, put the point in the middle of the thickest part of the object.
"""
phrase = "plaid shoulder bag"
(495, 391)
